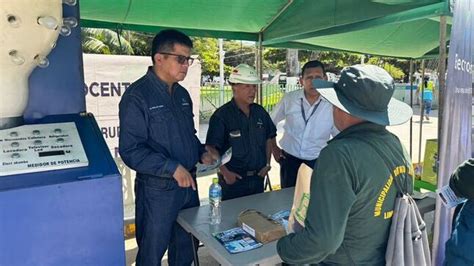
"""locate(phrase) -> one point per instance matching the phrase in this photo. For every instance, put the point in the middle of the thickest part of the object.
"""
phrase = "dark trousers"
(289, 169)
(248, 185)
(157, 204)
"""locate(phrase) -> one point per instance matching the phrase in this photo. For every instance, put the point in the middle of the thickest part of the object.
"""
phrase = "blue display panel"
(65, 217)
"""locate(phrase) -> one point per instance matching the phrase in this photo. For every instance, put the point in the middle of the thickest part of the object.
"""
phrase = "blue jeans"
(427, 104)
(461, 244)
(158, 201)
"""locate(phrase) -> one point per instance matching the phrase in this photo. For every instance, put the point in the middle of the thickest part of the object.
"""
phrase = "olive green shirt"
(352, 200)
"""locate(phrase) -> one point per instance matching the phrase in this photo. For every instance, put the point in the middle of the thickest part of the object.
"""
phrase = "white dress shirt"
(301, 139)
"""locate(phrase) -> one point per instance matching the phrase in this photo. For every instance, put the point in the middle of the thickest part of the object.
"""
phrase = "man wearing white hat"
(248, 129)
(352, 189)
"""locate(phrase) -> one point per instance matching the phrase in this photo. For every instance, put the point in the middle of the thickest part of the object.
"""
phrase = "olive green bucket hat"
(462, 180)
(366, 91)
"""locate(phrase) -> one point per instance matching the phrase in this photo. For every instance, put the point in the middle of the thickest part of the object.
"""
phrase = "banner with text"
(455, 144)
(106, 79)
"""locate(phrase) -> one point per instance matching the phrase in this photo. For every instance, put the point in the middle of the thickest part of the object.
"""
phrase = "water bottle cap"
(215, 180)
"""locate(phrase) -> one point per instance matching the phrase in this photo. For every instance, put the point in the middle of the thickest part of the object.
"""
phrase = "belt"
(251, 173)
(243, 172)
(145, 176)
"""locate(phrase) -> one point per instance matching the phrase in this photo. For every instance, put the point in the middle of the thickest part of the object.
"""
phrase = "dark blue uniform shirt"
(157, 129)
(230, 127)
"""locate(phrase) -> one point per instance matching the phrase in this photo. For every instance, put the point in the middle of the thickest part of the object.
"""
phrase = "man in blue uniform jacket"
(158, 141)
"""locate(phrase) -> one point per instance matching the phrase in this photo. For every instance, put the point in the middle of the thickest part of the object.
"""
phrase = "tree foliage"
(208, 51)
(141, 42)
(334, 61)
(394, 71)
(105, 41)
(236, 53)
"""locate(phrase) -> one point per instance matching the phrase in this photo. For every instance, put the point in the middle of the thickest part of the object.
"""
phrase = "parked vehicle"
(282, 79)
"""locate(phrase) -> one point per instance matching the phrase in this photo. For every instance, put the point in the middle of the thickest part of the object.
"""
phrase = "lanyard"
(304, 115)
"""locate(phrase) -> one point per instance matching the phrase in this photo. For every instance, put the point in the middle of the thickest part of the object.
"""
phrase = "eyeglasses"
(181, 59)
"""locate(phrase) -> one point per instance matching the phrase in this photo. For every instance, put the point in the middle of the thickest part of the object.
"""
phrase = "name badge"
(234, 134)
(156, 107)
(184, 102)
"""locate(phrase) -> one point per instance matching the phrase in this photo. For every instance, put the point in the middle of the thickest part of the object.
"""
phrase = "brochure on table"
(236, 240)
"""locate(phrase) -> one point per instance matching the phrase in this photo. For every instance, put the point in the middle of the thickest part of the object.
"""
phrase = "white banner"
(107, 77)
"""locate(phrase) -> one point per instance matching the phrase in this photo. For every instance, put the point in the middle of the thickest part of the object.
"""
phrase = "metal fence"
(271, 95)
(211, 97)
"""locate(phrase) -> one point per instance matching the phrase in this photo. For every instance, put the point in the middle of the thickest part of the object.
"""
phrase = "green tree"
(403, 65)
(141, 42)
(336, 61)
(274, 59)
(394, 71)
(238, 52)
(208, 51)
(104, 41)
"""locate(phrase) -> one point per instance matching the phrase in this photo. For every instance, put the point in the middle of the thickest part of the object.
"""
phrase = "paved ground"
(429, 131)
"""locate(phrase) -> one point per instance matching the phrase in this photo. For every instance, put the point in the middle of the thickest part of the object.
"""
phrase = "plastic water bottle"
(215, 196)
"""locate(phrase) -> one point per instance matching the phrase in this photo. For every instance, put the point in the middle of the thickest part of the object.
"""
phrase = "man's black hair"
(313, 64)
(165, 40)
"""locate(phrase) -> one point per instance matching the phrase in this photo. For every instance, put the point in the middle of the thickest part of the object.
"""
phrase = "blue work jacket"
(157, 128)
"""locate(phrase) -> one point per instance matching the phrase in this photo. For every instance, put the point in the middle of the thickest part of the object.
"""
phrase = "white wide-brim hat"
(244, 74)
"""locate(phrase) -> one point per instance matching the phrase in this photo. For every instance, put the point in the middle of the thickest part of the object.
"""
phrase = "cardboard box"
(430, 162)
(261, 227)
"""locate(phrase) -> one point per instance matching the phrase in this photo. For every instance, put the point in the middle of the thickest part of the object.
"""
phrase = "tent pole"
(442, 215)
(221, 72)
(441, 76)
(422, 107)
(410, 76)
(259, 66)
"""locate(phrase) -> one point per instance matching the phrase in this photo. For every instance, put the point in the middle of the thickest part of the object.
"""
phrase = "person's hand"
(264, 171)
(230, 177)
(183, 177)
(211, 156)
(278, 154)
(206, 158)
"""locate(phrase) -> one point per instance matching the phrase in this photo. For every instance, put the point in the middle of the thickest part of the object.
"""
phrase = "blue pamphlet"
(236, 240)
